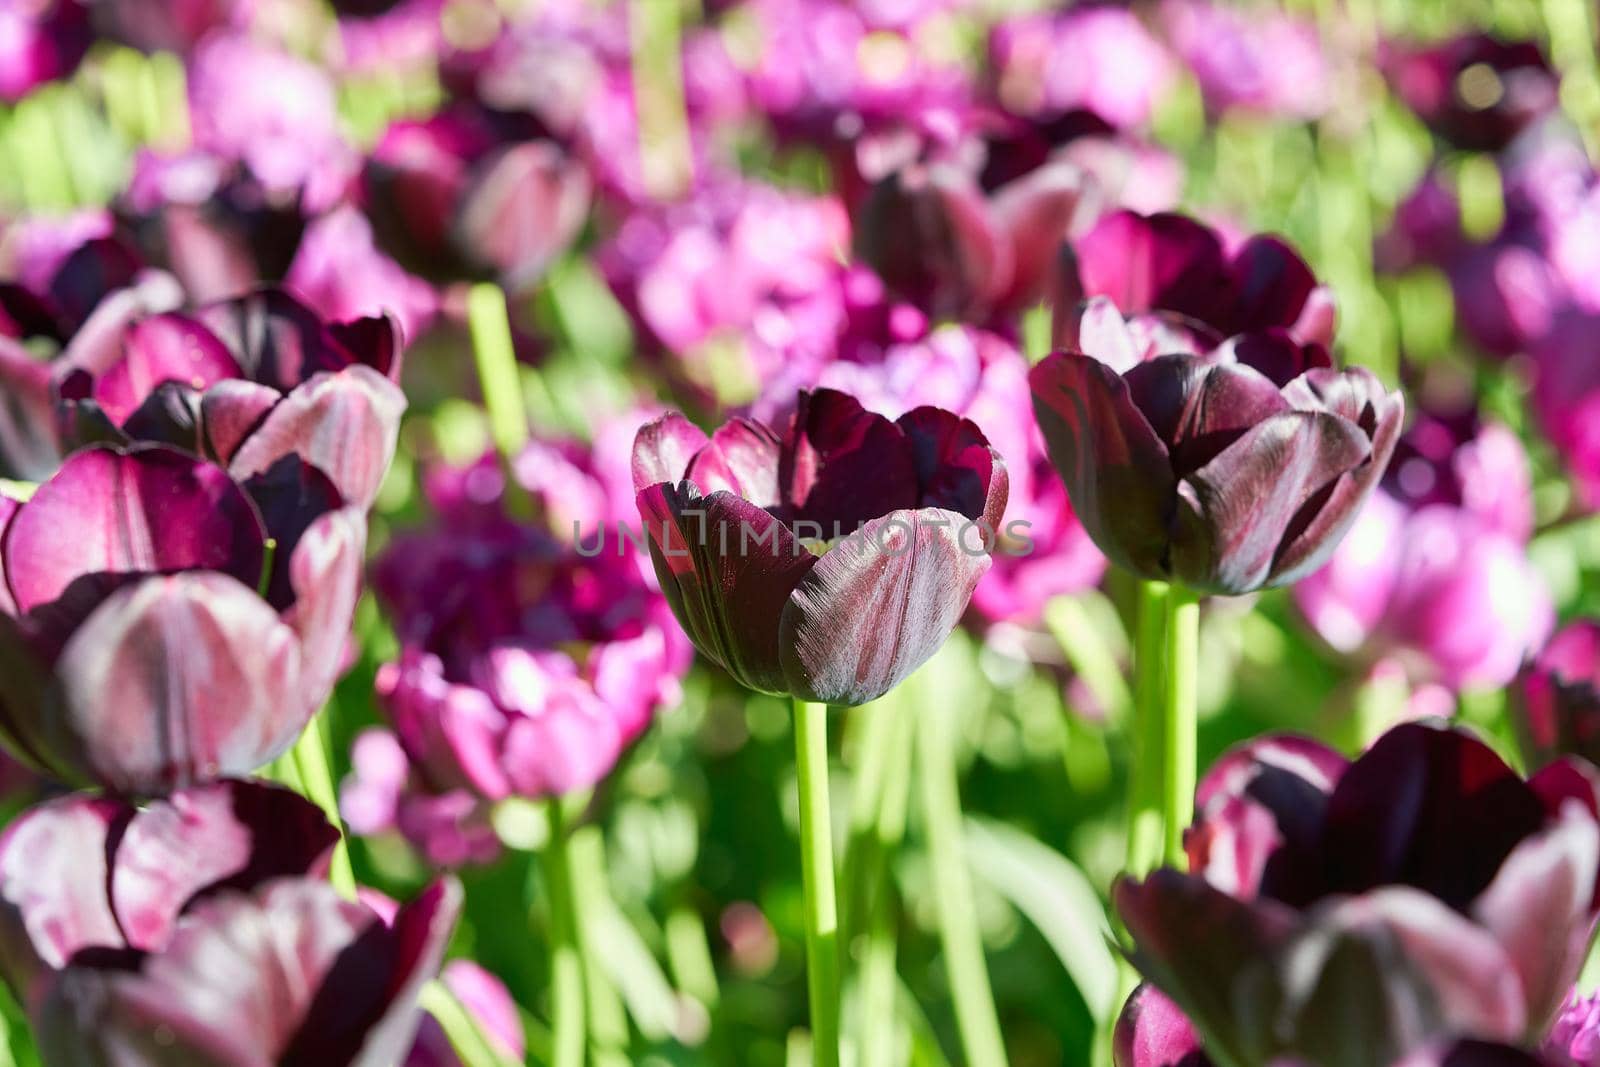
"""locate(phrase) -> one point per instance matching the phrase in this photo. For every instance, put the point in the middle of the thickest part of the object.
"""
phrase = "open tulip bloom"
(1201, 462)
(150, 636)
(201, 930)
(1455, 896)
(826, 560)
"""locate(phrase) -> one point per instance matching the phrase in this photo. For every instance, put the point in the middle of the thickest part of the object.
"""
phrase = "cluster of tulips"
(450, 449)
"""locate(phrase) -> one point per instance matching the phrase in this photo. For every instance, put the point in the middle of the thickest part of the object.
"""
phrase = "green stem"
(1148, 769)
(569, 1024)
(968, 974)
(816, 866)
(1180, 722)
(666, 158)
(877, 728)
(311, 765)
(498, 377)
(608, 1020)
(876, 1029)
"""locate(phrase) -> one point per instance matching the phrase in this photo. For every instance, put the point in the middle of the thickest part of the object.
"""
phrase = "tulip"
(1181, 273)
(449, 200)
(526, 668)
(1230, 472)
(1361, 911)
(272, 111)
(150, 638)
(1474, 91)
(782, 551)
(1574, 1040)
(941, 244)
(980, 376)
(199, 930)
(386, 794)
(246, 382)
(340, 273)
(39, 43)
(1270, 65)
(1097, 58)
(1566, 399)
(1555, 704)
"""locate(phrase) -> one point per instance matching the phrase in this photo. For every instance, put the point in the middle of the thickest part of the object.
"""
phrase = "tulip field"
(799, 533)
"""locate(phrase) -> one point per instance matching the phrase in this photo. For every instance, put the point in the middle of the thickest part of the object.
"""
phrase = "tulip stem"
(1148, 769)
(568, 1023)
(976, 1018)
(269, 555)
(498, 378)
(817, 876)
(876, 1030)
(1180, 721)
(312, 767)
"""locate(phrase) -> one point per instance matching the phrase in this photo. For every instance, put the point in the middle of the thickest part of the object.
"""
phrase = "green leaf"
(1056, 898)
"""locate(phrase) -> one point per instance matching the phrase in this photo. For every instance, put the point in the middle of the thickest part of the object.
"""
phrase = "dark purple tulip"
(1555, 704)
(1176, 268)
(783, 551)
(40, 42)
(1237, 470)
(939, 242)
(1474, 91)
(1359, 912)
(199, 930)
(450, 198)
(246, 382)
(137, 651)
(927, 231)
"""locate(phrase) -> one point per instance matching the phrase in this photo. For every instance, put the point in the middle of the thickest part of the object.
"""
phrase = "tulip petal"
(1115, 467)
(151, 509)
(53, 877)
(878, 604)
(162, 348)
(325, 576)
(1275, 354)
(663, 449)
(275, 339)
(232, 410)
(741, 458)
(1165, 261)
(1356, 395)
(291, 495)
(175, 680)
(727, 567)
(1099, 330)
(1273, 285)
(1213, 955)
(344, 424)
(1234, 511)
(170, 415)
(956, 468)
(1260, 815)
(1427, 807)
(375, 341)
(1153, 1032)
(1199, 408)
(843, 465)
(1540, 908)
(1037, 212)
(213, 837)
(1378, 974)
(8, 511)
(524, 207)
(29, 448)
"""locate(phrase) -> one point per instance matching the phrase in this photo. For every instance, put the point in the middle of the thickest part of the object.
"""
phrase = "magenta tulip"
(1555, 705)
